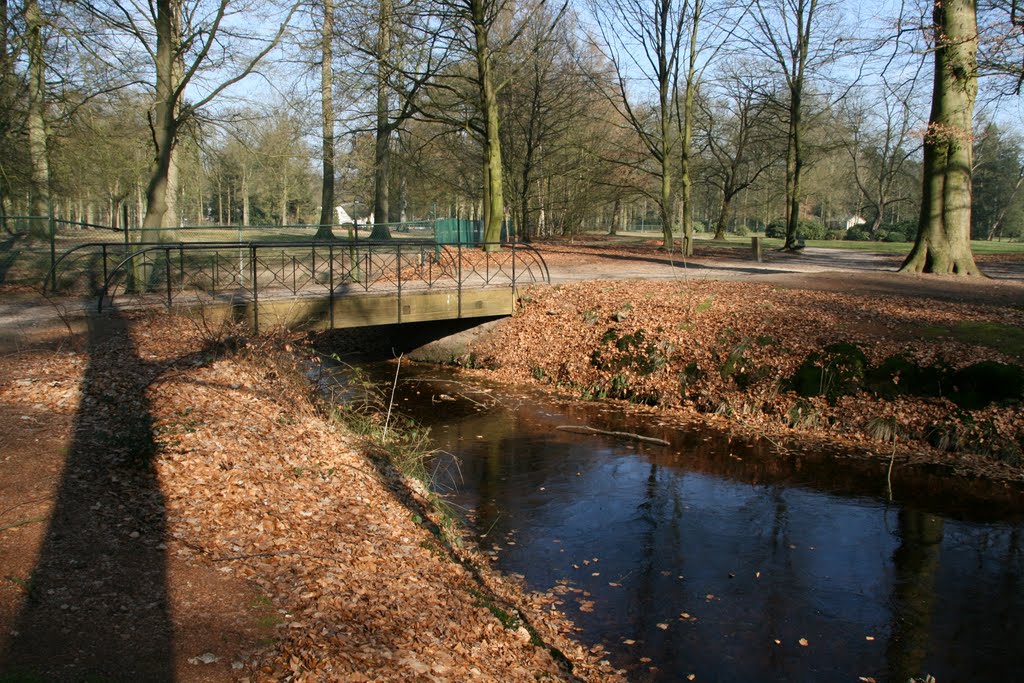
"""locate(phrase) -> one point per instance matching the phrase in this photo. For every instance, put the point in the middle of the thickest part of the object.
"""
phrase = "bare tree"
(881, 143)
(464, 95)
(209, 45)
(646, 37)
(538, 109)
(793, 36)
(739, 136)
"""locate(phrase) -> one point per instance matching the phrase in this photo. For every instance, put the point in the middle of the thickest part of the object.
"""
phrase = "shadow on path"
(97, 604)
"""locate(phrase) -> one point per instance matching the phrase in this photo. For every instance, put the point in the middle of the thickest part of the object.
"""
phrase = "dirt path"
(174, 512)
(812, 268)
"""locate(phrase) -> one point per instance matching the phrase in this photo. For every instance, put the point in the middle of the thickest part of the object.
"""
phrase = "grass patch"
(1006, 338)
(901, 248)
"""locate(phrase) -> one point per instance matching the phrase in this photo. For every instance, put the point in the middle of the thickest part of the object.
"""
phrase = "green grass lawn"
(1005, 338)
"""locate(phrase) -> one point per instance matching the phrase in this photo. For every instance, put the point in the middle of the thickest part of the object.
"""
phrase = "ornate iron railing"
(189, 273)
(86, 267)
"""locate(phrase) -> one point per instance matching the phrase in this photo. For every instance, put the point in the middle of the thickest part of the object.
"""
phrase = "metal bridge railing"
(190, 273)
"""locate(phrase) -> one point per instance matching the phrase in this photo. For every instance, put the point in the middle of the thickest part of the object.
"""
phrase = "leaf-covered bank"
(940, 382)
(205, 459)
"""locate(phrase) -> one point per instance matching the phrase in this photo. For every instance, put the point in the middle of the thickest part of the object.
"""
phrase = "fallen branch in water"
(583, 429)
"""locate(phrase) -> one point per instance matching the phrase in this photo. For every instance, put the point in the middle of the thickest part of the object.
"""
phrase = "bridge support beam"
(361, 310)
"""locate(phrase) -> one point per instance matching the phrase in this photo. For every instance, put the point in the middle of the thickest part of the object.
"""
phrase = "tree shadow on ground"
(97, 604)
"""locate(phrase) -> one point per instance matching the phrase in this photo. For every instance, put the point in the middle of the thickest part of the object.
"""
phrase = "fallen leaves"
(256, 485)
(726, 348)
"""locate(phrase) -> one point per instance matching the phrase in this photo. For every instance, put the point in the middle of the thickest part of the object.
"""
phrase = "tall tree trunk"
(665, 206)
(37, 139)
(171, 219)
(382, 141)
(877, 223)
(245, 197)
(665, 194)
(806, 13)
(724, 215)
(164, 123)
(327, 123)
(6, 102)
(403, 196)
(542, 225)
(139, 202)
(686, 182)
(493, 186)
(943, 242)
(284, 196)
(794, 164)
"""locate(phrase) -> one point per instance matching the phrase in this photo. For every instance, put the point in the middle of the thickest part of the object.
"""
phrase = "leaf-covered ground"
(169, 510)
(729, 351)
(173, 511)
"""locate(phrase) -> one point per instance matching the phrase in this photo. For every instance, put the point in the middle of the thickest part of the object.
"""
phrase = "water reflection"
(718, 559)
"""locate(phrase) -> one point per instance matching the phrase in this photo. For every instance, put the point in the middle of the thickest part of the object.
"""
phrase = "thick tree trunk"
(724, 216)
(164, 123)
(171, 219)
(327, 218)
(493, 186)
(37, 139)
(943, 242)
(877, 222)
(613, 229)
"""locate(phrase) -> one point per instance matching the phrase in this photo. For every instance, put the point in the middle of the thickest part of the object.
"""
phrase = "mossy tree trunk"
(943, 242)
(494, 198)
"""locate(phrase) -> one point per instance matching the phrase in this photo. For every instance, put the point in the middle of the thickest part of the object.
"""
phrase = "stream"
(717, 559)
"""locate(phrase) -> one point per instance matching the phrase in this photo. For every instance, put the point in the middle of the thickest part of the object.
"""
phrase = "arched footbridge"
(306, 284)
